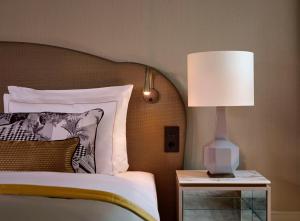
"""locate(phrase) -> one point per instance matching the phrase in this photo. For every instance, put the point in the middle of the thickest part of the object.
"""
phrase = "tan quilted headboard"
(49, 67)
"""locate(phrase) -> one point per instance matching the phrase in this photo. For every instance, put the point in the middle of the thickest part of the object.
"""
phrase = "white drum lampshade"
(220, 79)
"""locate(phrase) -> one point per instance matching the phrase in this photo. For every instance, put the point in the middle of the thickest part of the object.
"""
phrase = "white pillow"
(104, 138)
(77, 98)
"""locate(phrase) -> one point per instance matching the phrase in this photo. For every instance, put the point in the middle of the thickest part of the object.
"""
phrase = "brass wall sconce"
(150, 95)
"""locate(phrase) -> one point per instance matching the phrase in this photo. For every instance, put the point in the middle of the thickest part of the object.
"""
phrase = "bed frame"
(50, 67)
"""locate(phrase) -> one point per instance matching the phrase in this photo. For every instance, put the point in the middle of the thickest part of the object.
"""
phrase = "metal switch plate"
(171, 139)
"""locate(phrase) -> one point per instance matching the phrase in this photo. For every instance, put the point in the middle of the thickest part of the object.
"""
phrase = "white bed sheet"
(137, 187)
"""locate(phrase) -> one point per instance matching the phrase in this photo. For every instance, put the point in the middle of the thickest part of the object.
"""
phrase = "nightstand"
(246, 196)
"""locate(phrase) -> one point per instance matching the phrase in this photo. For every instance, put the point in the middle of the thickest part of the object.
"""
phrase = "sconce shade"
(221, 78)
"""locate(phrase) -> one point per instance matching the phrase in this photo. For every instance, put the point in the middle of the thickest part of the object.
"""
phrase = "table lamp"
(219, 79)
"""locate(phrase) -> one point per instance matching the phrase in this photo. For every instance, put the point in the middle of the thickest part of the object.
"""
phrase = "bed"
(136, 187)
(132, 195)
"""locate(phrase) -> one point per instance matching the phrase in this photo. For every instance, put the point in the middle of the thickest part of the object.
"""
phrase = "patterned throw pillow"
(56, 126)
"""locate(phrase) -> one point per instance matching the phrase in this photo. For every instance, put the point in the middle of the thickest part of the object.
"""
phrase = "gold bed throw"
(74, 193)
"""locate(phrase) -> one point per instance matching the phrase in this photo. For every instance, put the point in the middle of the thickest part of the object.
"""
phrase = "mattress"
(136, 187)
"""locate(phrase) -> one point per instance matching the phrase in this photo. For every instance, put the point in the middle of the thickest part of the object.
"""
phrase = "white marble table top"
(201, 177)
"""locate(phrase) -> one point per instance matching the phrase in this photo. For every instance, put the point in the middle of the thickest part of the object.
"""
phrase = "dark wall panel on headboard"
(49, 67)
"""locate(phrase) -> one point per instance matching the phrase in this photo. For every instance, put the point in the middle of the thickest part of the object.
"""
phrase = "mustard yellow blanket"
(73, 193)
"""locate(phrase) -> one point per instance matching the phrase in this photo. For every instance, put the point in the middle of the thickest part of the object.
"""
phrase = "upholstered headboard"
(49, 67)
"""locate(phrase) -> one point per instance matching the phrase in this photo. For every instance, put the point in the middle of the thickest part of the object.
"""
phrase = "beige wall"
(160, 33)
